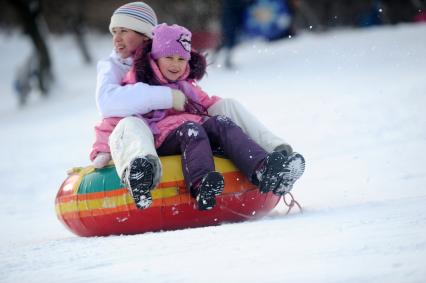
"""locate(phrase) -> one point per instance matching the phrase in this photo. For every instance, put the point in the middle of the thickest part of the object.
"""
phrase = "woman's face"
(172, 67)
(126, 41)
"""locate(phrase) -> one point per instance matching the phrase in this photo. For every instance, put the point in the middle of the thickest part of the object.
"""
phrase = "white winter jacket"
(115, 100)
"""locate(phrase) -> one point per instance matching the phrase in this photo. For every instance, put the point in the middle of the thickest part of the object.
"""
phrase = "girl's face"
(126, 41)
(172, 67)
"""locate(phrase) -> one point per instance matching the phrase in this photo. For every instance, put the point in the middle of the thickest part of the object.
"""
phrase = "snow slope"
(352, 101)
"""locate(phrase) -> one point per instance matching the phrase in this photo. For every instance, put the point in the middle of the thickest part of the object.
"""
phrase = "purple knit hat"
(171, 40)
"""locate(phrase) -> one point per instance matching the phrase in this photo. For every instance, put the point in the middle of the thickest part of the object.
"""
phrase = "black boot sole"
(294, 168)
(140, 181)
(211, 186)
(271, 179)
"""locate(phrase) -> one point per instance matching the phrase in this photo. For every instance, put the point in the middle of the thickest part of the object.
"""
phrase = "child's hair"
(137, 16)
(144, 72)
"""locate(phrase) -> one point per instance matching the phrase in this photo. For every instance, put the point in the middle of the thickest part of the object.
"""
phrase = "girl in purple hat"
(167, 60)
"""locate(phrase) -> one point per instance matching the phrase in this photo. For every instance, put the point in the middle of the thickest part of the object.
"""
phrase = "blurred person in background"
(232, 20)
(37, 68)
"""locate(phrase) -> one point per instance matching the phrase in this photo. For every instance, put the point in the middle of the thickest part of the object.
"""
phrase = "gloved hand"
(101, 160)
(179, 100)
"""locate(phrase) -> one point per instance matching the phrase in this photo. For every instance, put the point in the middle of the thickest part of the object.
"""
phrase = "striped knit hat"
(136, 16)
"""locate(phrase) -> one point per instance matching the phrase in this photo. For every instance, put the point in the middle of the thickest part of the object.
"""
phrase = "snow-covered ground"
(352, 101)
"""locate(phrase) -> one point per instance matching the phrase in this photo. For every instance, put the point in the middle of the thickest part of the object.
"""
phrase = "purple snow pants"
(196, 141)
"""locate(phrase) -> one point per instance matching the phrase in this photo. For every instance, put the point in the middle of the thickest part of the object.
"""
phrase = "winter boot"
(270, 173)
(139, 178)
(294, 167)
(210, 186)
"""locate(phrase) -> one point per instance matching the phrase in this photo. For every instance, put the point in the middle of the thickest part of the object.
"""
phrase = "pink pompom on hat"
(171, 40)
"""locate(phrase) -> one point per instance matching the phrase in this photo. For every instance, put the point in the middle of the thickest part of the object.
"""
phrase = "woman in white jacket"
(131, 142)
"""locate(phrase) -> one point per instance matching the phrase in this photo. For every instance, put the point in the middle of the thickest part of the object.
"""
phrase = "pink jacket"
(161, 122)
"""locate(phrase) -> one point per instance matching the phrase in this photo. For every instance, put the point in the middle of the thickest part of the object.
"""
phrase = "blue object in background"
(372, 17)
(270, 19)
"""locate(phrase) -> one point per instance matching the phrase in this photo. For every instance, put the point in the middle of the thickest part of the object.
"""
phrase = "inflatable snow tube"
(94, 202)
